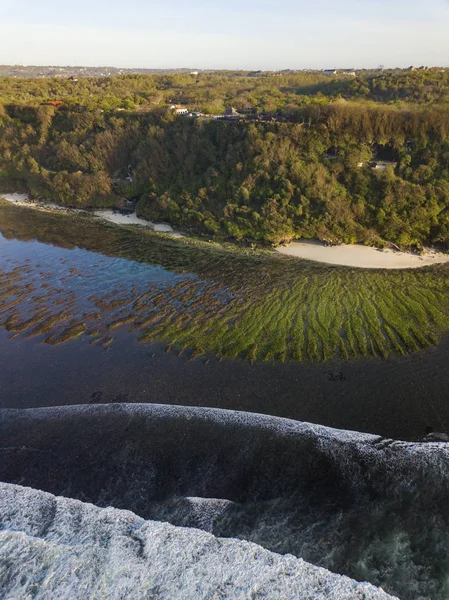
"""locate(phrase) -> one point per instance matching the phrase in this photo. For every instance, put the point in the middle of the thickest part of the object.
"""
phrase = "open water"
(354, 502)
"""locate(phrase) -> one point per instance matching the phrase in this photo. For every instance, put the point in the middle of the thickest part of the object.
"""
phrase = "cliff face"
(55, 548)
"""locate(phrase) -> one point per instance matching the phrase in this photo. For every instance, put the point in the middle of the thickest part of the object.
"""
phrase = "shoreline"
(118, 218)
(360, 256)
(352, 393)
(105, 214)
(345, 255)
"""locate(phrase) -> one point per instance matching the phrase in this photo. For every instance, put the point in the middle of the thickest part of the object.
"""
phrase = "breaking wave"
(61, 548)
(359, 505)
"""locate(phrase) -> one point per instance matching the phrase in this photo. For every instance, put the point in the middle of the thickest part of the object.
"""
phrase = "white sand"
(16, 198)
(132, 219)
(106, 214)
(361, 256)
(24, 200)
(119, 219)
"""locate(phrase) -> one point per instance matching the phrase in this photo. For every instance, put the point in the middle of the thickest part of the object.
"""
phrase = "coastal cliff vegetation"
(350, 159)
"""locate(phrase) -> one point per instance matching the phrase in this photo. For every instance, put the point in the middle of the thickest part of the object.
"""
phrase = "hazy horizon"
(204, 35)
(211, 69)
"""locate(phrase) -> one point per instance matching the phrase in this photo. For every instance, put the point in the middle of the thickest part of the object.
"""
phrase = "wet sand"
(361, 256)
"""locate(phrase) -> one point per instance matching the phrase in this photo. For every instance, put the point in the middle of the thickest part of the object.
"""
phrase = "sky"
(231, 34)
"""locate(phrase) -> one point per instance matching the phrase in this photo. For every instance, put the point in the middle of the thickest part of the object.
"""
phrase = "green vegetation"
(212, 92)
(221, 301)
(307, 313)
(307, 173)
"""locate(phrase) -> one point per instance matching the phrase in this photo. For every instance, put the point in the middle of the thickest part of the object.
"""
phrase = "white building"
(350, 72)
(382, 165)
(178, 109)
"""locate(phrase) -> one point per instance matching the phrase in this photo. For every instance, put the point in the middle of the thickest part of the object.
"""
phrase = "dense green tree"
(308, 173)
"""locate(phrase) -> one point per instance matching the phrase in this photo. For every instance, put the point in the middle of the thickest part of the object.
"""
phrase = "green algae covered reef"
(213, 300)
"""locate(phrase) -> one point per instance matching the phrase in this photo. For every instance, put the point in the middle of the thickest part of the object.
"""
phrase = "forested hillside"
(344, 159)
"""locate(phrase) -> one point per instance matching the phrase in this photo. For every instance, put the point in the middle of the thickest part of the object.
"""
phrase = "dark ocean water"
(399, 398)
(360, 505)
(402, 397)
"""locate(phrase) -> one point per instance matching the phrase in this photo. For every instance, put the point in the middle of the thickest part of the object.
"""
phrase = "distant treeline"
(212, 92)
(313, 176)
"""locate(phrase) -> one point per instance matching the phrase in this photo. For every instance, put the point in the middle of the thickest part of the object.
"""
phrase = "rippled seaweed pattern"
(77, 277)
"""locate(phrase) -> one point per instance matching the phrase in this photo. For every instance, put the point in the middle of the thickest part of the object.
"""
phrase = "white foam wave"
(370, 507)
(60, 548)
(279, 425)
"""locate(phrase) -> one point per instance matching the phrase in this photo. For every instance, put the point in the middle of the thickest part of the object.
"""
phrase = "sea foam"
(360, 505)
(57, 548)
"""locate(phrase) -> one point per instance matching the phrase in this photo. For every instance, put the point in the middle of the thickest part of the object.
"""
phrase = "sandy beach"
(16, 198)
(357, 255)
(24, 200)
(132, 219)
(105, 214)
(364, 257)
